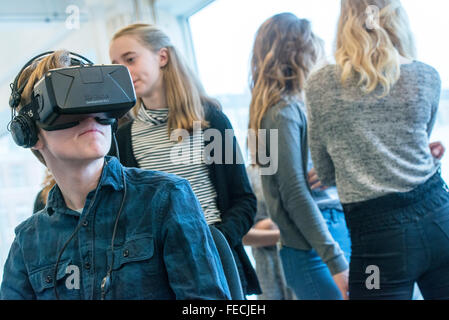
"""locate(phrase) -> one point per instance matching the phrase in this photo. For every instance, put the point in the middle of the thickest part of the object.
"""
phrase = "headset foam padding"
(24, 131)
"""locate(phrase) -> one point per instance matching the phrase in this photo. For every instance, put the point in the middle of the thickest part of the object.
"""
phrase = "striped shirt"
(154, 150)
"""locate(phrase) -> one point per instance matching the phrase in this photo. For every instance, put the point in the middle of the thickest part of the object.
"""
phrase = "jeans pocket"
(384, 251)
(442, 220)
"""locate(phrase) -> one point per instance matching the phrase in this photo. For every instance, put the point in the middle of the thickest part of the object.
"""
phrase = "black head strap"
(16, 93)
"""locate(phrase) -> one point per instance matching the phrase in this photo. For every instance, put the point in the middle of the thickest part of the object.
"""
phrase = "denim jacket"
(235, 198)
(163, 248)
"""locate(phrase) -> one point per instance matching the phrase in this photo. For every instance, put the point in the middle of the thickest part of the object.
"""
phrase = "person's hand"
(437, 149)
(314, 181)
(342, 279)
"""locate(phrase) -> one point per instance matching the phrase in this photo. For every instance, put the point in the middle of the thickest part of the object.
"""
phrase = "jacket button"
(87, 265)
(126, 253)
(49, 279)
(85, 223)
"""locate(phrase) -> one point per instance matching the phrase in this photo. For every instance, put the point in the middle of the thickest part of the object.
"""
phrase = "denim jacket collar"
(111, 176)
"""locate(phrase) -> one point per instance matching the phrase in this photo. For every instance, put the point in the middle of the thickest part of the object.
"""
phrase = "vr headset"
(64, 97)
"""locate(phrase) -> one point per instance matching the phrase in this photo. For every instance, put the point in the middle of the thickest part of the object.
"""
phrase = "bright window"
(223, 34)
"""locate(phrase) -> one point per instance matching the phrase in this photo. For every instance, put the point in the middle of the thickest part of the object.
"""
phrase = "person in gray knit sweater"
(370, 118)
(315, 243)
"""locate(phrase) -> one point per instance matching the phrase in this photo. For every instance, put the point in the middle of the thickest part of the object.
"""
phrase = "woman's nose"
(89, 118)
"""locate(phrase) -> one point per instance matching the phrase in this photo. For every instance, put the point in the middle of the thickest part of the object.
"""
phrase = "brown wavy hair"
(284, 54)
(47, 185)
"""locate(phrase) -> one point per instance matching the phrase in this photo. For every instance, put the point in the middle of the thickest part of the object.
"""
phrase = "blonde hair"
(184, 94)
(32, 74)
(47, 185)
(371, 49)
(285, 52)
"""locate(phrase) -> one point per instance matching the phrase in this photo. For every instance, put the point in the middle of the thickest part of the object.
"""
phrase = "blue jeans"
(306, 274)
(405, 236)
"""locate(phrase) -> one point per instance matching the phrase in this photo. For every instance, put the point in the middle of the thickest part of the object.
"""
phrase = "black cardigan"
(235, 198)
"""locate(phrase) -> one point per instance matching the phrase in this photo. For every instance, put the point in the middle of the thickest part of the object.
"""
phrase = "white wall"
(23, 34)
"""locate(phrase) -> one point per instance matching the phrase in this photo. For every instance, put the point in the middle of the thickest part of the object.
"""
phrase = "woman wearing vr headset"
(107, 232)
(370, 118)
(170, 98)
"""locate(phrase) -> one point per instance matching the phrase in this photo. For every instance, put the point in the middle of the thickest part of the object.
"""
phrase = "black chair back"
(228, 262)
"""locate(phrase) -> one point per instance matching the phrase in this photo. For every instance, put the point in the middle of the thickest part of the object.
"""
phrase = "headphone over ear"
(23, 126)
(23, 129)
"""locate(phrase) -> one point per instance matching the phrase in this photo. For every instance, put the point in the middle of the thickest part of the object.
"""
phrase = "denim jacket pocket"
(42, 278)
(137, 271)
(135, 249)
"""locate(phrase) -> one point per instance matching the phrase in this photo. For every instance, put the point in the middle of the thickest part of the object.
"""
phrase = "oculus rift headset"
(64, 97)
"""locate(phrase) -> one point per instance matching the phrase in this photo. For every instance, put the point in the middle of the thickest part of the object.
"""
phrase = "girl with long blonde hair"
(313, 233)
(370, 118)
(170, 98)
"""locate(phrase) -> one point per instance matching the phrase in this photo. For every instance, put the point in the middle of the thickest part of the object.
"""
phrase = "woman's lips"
(91, 131)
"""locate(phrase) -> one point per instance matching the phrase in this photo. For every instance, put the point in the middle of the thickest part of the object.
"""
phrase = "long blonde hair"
(285, 52)
(32, 75)
(370, 47)
(184, 94)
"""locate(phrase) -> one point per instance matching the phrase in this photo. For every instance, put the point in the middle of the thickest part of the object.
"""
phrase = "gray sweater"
(369, 146)
(291, 204)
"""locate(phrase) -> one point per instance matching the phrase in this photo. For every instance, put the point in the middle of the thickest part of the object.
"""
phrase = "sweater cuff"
(337, 264)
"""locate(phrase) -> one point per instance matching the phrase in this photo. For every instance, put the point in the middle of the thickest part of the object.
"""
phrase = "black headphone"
(23, 126)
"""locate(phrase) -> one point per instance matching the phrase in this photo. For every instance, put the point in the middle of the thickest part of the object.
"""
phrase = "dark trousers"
(400, 239)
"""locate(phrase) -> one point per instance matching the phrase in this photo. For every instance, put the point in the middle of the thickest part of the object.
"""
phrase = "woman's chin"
(93, 153)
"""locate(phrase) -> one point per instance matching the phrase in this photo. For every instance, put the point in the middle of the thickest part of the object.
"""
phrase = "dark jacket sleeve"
(126, 154)
(231, 182)
(38, 203)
